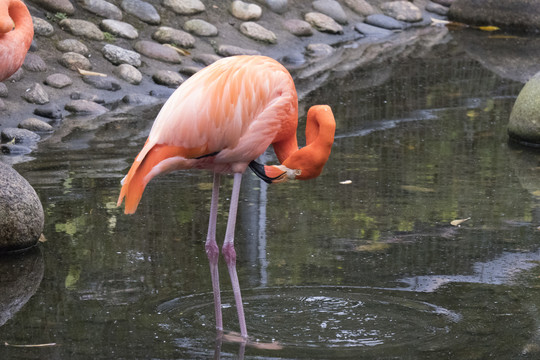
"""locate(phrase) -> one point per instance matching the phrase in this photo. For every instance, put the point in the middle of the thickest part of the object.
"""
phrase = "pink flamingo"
(222, 119)
(16, 33)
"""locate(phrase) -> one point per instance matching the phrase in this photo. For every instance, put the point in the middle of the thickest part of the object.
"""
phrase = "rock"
(34, 63)
(139, 99)
(142, 10)
(167, 35)
(33, 124)
(206, 59)
(72, 45)
(157, 51)
(17, 76)
(77, 95)
(102, 8)
(82, 28)
(85, 107)
(323, 23)
(361, 7)
(3, 90)
(298, 27)
(370, 30)
(402, 10)
(524, 124)
(19, 136)
(189, 70)
(446, 3)
(293, 59)
(319, 50)
(42, 27)
(231, 50)
(168, 78)
(119, 28)
(103, 83)
(257, 32)
(117, 55)
(245, 11)
(58, 81)
(74, 61)
(21, 212)
(36, 95)
(49, 111)
(200, 27)
(437, 8)
(384, 21)
(14, 149)
(331, 8)
(129, 74)
(278, 6)
(185, 7)
(56, 6)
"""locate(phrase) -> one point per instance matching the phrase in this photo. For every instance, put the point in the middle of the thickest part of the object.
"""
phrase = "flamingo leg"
(212, 252)
(230, 254)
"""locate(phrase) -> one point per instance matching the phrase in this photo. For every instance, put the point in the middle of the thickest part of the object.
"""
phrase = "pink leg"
(212, 251)
(230, 254)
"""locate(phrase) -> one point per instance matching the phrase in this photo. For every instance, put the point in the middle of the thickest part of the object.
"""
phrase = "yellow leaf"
(488, 28)
(73, 276)
(459, 221)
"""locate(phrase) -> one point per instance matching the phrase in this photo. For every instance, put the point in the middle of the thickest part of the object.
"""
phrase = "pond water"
(360, 263)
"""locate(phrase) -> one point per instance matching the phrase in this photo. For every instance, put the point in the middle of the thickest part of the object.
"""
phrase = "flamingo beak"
(274, 174)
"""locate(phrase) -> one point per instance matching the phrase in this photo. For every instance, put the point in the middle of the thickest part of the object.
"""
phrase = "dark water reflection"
(369, 269)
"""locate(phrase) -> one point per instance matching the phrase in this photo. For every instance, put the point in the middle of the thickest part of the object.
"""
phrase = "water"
(360, 263)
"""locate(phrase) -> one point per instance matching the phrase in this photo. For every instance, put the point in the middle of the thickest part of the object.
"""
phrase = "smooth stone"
(42, 27)
(293, 59)
(189, 70)
(323, 23)
(524, 124)
(200, 27)
(49, 111)
(129, 74)
(168, 78)
(258, 32)
(34, 63)
(56, 6)
(102, 8)
(72, 45)
(446, 3)
(85, 107)
(82, 28)
(278, 6)
(74, 61)
(3, 90)
(17, 76)
(370, 30)
(102, 83)
(319, 50)
(437, 8)
(139, 99)
(142, 10)
(402, 11)
(384, 21)
(331, 8)
(298, 27)
(14, 149)
(117, 55)
(33, 124)
(185, 7)
(157, 51)
(167, 35)
(21, 212)
(245, 11)
(78, 95)
(361, 7)
(19, 136)
(36, 94)
(206, 59)
(119, 28)
(58, 81)
(231, 50)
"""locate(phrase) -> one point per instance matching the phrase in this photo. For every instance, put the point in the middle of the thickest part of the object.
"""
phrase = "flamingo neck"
(16, 19)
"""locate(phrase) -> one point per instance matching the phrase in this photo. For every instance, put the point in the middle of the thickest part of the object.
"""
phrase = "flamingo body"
(16, 33)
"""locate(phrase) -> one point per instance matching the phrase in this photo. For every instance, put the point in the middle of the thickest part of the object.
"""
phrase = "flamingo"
(222, 119)
(16, 33)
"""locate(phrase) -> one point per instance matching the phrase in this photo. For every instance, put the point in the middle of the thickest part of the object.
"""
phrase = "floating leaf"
(73, 276)
(488, 28)
(178, 50)
(90, 73)
(413, 188)
(345, 182)
(459, 221)
(42, 238)
(29, 345)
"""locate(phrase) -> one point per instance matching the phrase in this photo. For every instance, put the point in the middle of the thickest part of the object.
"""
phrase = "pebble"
(119, 28)
(56, 6)
(323, 23)
(139, 99)
(82, 28)
(34, 63)
(72, 45)
(42, 27)
(231, 50)
(36, 94)
(17, 76)
(278, 6)
(370, 30)
(384, 21)
(77, 95)
(36, 125)
(361, 7)
(157, 51)
(402, 11)
(102, 82)
(167, 35)
(331, 8)
(258, 32)
(128, 73)
(142, 10)
(49, 111)
(19, 136)
(102, 8)
(319, 50)
(298, 27)
(189, 70)
(117, 55)
(437, 8)
(245, 11)
(85, 107)
(200, 27)
(14, 149)
(168, 78)
(446, 3)
(3, 90)
(58, 81)
(206, 59)
(74, 61)
(185, 7)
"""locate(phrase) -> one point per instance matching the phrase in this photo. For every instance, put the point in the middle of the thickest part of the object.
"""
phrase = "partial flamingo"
(16, 33)
(222, 119)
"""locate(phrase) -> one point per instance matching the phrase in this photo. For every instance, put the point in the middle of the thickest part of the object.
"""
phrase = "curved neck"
(15, 16)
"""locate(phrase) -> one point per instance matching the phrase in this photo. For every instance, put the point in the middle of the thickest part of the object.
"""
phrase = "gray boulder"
(524, 124)
(21, 213)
